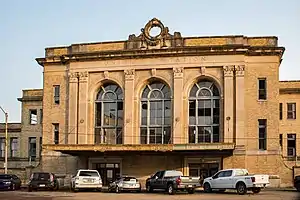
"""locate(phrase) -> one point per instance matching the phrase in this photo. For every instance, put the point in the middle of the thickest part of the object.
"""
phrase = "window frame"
(56, 133)
(280, 111)
(31, 156)
(56, 94)
(262, 124)
(262, 91)
(13, 152)
(31, 121)
(291, 114)
(291, 137)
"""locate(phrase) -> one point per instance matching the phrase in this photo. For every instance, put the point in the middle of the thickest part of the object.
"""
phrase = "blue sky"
(27, 27)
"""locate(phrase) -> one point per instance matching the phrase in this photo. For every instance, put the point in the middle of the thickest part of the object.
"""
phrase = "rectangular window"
(32, 148)
(291, 145)
(280, 111)
(262, 89)
(33, 116)
(56, 133)
(13, 147)
(262, 131)
(41, 116)
(2, 147)
(56, 94)
(280, 140)
(291, 110)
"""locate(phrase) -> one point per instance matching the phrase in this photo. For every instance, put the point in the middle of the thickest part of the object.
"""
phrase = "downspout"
(77, 113)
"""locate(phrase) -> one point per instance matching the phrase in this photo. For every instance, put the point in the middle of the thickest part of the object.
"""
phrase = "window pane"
(97, 135)
(262, 83)
(216, 134)
(143, 135)
(192, 134)
(167, 135)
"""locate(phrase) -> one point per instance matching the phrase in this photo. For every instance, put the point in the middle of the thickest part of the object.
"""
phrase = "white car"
(238, 179)
(86, 179)
(127, 183)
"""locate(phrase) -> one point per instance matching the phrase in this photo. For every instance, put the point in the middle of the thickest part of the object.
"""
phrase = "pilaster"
(178, 133)
(129, 136)
(240, 106)
(73, 83)
(83, 108)
(228, 103)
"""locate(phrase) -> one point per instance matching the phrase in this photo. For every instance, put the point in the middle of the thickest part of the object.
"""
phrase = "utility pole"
(6, 139)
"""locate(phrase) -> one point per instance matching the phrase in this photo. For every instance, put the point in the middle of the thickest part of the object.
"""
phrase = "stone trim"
(178, 72)
(129, 74)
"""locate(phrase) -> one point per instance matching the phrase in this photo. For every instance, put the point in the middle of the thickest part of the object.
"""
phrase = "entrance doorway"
(108, 171)
(203, 170)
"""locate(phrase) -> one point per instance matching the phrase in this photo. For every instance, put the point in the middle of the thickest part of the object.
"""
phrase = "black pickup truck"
(297, 183)
(172, 181)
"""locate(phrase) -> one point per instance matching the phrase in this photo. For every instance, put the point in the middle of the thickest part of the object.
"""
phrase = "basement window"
(33, 116)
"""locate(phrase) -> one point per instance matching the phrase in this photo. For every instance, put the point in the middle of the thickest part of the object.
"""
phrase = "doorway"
(108, 171)
(203, 170)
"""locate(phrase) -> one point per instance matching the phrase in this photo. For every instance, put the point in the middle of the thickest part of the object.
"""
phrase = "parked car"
(297, 183)
(238, 179)
(126, 183)
(43, 181)
(172, 181)
(86, 179)
(10, 182)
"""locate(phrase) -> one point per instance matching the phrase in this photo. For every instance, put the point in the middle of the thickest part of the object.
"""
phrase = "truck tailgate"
(261, 179)
(189, 180)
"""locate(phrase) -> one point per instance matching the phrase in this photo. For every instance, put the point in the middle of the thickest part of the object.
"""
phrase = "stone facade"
(235, 64)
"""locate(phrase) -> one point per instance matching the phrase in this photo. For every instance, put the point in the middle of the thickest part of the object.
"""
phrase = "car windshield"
(129, 179)
(4, 176)
(89, 173)
(41, 176)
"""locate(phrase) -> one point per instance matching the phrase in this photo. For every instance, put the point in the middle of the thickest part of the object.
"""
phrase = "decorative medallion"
(154, 40)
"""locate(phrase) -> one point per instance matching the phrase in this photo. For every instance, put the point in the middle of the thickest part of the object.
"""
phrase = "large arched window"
(204, 113)
(156, 114)
(109, 115)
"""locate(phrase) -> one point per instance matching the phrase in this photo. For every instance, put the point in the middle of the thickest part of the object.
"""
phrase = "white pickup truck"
(238, 179)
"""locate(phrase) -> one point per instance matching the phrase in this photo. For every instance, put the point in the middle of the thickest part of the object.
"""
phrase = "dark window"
(262, 131)
(129, 178)
(204, 113)
(280, 111)
(280, 140)
(41, 116)
(291, 145)
(56, 94)
(109, 115)
(40, 176)
(32, 148)
(89, 173)
(2, 147)
(13, 147)
(41, 146)
(262, 89)
(291, 110)
(156, 114)
(33, 116)
(56, 133)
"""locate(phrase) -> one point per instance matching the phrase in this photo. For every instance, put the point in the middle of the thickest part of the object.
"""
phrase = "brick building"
(195, 104)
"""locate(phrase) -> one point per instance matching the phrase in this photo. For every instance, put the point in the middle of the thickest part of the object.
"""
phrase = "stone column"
(129, 137)
(240, 106)
(73, 81)
(83, 109)
(228, 104)
(179, 136)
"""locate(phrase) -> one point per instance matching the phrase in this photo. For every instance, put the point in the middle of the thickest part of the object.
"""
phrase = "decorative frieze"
(228, 70)
(178, 72)
(129, 74)
(239, 70)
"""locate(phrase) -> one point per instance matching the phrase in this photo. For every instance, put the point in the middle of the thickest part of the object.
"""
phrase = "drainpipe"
(77, 113)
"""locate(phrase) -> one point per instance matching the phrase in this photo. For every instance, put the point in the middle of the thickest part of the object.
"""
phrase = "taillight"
(178, 181)
(51, 178)
(253, 179)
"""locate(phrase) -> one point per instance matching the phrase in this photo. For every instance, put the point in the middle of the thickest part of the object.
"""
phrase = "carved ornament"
(202, 70)
(106, 74)
(228, 70)
(178, 72)
(239, 70)
(153, 72)
(74, 76)
(129, 74)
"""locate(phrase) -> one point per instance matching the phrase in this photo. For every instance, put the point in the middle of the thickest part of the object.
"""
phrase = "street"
(45, 195)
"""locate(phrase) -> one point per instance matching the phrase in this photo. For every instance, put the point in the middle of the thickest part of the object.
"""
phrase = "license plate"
(42, 185)
(190, 186)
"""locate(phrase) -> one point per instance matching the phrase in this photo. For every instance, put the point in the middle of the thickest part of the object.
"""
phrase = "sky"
(28, 27)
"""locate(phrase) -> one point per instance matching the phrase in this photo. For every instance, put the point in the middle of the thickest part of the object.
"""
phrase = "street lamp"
(6, 119)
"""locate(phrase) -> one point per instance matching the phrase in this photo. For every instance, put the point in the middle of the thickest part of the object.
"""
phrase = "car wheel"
(149, 188)
(13, 187)
(241, 188)
(191, 191)
(256, 190)
(207, 188)
(171, 189)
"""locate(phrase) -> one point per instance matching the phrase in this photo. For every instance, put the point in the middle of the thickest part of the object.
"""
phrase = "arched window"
(204, 113)
(156, 114)
(109, 115)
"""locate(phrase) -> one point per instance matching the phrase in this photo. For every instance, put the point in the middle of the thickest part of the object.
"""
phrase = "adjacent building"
(153, 102)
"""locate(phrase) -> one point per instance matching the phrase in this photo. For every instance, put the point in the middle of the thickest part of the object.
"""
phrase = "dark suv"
(297, 183)
(42, 180)
(10, 181)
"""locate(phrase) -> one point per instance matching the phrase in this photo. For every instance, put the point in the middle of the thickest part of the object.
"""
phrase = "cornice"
(169, 52)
